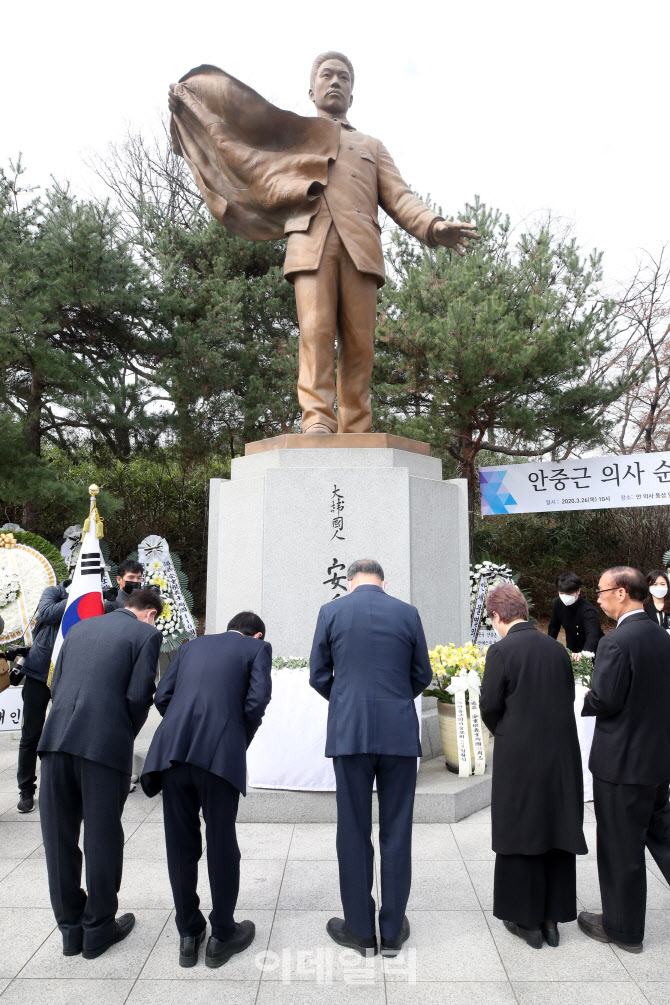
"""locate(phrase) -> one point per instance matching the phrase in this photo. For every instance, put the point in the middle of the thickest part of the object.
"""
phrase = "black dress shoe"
(338, 931)
(72, 947)
(188, 949)
(122, 926)
(391, 947)
(533, 936)
(550, 932)
(592, 925)
(219, 951)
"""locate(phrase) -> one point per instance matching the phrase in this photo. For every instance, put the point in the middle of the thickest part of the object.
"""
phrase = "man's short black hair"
(631, 580)
(145, 600)
(248, 623)
(129, 566)
(568, 582)
(366, 567)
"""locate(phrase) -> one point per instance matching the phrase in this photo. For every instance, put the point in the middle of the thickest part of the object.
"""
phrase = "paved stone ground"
(458, 953)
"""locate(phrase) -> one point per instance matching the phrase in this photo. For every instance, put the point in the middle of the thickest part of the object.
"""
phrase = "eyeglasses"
(609, 590)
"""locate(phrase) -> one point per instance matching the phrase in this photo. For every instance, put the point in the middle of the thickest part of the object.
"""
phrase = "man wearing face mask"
(102, 688)
(128, 579)
(575, 614)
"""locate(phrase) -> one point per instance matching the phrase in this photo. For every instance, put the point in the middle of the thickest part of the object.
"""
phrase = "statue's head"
(331, 83)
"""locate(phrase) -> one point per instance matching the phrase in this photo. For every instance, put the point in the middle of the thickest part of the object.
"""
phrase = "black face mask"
(129, 585)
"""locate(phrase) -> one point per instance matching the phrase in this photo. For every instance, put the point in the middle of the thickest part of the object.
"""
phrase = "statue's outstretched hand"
(455, 235)
(173, 100)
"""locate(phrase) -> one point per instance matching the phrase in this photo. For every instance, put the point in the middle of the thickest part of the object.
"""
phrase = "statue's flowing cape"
(258, 167)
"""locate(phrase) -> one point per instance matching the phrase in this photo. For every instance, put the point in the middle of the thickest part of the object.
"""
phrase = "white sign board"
(11, 710)
(591, 483)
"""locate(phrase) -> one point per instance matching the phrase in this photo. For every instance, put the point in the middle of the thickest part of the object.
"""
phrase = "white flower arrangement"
(9, 587)
(290, 663)
(32, 573)
(497, 574)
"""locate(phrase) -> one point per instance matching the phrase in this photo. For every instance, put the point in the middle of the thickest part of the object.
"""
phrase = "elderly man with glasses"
(630, 758)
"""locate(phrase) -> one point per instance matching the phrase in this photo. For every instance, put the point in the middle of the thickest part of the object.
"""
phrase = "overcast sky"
(533, 106)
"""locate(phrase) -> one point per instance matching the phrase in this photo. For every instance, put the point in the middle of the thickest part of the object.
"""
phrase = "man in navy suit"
(101, 692)
(370, 661)
(212, 699)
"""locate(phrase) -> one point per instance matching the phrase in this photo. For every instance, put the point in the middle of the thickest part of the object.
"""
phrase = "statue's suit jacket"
(362, 177)
(212, 699)
(370, 660)
(265, 172)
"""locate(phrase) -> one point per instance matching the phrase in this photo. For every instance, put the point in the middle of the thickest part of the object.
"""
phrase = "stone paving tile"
(261, 841)
(199, 992)
(146, 843)
(19, 839)
(4, 983)
(655, 871)
(63, 991)
(260, 881)
(656, 992)
(274, 993)
(123, 961)
(653, 964)
(300, 949)
(310, 886)
(575, 992)
(435, 842)
(163, 962)
(481, 877)
(453, 891)
(22, 932)
(8, 801)
(313, 841)
(457, 945)
(26, 886)
(473, 840)
(578, 958)
(456, 993)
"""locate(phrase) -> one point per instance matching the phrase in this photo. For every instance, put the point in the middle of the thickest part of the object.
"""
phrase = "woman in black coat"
(537, 803)
(658, 604)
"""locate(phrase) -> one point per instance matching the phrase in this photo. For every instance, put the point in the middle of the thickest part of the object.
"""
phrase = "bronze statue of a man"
(264, 172)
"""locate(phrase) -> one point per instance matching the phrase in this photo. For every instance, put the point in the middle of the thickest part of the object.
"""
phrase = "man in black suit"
(212, 699)
(630, 758)
(102, 688)
(576, 615)
(370, 661)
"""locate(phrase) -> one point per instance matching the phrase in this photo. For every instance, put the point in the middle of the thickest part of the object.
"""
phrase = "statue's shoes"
(318, 428)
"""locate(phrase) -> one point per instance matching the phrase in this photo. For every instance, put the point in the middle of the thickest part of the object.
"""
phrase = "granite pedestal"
(285, 526)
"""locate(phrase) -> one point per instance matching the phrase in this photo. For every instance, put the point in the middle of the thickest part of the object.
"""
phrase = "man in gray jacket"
(102, 688)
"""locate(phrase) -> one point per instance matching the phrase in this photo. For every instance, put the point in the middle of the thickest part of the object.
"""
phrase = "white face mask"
(658, 591)
(568, 599)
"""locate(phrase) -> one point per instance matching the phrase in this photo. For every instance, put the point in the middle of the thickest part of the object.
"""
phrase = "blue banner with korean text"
(587, 483)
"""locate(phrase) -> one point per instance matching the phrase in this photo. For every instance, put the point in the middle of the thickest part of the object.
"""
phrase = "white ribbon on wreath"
(461, 684)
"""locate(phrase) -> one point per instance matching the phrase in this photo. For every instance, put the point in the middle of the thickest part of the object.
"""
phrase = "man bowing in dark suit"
(212, 699)
(102, 687)
(370, 661)
(630, 758)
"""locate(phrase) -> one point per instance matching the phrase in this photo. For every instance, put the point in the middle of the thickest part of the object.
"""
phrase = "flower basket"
(457, 676)
(449, 736)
